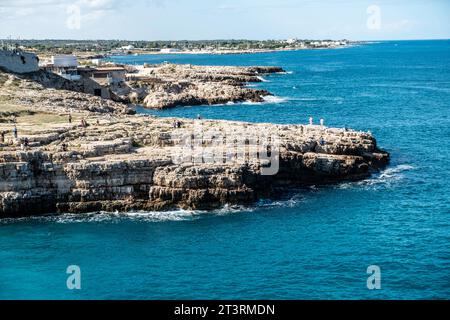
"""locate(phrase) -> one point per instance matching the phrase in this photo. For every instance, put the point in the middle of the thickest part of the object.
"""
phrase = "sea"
(315, 243)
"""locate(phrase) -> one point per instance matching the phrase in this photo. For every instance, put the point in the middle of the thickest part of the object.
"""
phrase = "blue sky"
(225, 19)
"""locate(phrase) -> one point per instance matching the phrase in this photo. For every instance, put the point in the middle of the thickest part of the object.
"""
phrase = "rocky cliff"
(117, 161)
(168, 85)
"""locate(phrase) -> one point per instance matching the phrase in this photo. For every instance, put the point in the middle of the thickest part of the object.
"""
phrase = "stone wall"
(18, 61)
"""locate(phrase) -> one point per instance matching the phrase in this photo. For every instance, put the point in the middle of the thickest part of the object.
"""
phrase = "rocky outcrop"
(168, 85)
(50, 93)
(130, 165)
(126, 162)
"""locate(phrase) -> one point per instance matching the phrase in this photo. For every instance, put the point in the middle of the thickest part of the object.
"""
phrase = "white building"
(170, 50)
(127, 48)
(64, 66)
(64, 61)
(19, 61)
(291, 41)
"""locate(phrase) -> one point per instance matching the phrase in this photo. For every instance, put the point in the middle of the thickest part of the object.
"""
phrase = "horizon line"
(219, 39)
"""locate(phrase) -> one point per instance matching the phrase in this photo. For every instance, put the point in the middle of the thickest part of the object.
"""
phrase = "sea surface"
(313, 244)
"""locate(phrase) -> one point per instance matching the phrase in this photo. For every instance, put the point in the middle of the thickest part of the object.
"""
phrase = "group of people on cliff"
(24, 142)
(177, 124)
(3, 134)
(322, 122)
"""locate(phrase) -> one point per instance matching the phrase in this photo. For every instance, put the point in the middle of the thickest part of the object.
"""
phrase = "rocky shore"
(168, 85)
(123, 162)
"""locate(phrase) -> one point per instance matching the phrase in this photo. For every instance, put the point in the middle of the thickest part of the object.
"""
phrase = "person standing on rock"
(26, 143)
(15, 132)
(311, 121)
(2, 137)
(322, 122)
(70, 118)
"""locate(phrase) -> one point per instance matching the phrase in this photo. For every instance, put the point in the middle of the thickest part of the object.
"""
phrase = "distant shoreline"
(87, 49)
(226, 52)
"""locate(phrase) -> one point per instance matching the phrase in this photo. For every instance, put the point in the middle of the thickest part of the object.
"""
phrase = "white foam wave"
(285, 72)
(143, 216)
(152, 216)
(230, 209)
(267, 100)
(262, 79)
(385, 178)
(274, 99)
(392, 172)
(250, 103)
(292, 202)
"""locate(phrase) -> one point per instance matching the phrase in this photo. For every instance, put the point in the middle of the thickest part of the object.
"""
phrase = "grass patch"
(42, 118)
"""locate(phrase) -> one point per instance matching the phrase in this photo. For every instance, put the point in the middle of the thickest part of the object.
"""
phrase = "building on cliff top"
(18, 61)
(63, 65)
(104, 75)
(95, 80)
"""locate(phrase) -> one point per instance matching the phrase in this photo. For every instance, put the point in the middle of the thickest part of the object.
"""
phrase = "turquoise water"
(314, 244)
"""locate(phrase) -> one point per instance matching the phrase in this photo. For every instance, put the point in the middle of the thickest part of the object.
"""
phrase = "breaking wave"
(274, 99)
(386, 178)
(267, 100)
(290, 202)
(143, 216)
(262, 79)
(286, 72)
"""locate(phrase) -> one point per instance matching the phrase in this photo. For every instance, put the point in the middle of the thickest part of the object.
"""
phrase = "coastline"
(229, 52)
(117, 161)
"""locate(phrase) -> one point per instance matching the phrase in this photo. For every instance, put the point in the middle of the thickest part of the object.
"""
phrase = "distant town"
(85, 62)
(103, 48)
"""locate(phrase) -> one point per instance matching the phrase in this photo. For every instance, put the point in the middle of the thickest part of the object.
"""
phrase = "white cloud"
(88, 7)
(400, 25)
(24, 11)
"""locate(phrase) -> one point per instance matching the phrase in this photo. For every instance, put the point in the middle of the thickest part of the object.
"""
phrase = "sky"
(225, 19)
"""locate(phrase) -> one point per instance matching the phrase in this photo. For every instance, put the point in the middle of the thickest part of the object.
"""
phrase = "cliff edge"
(105, 159)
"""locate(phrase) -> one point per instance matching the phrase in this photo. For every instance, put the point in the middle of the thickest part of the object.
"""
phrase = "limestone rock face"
(122, 162)
(50, 93)
(169, 85)
(129, 165)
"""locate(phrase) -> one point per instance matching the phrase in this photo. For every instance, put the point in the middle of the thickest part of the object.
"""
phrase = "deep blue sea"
(314, 244)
